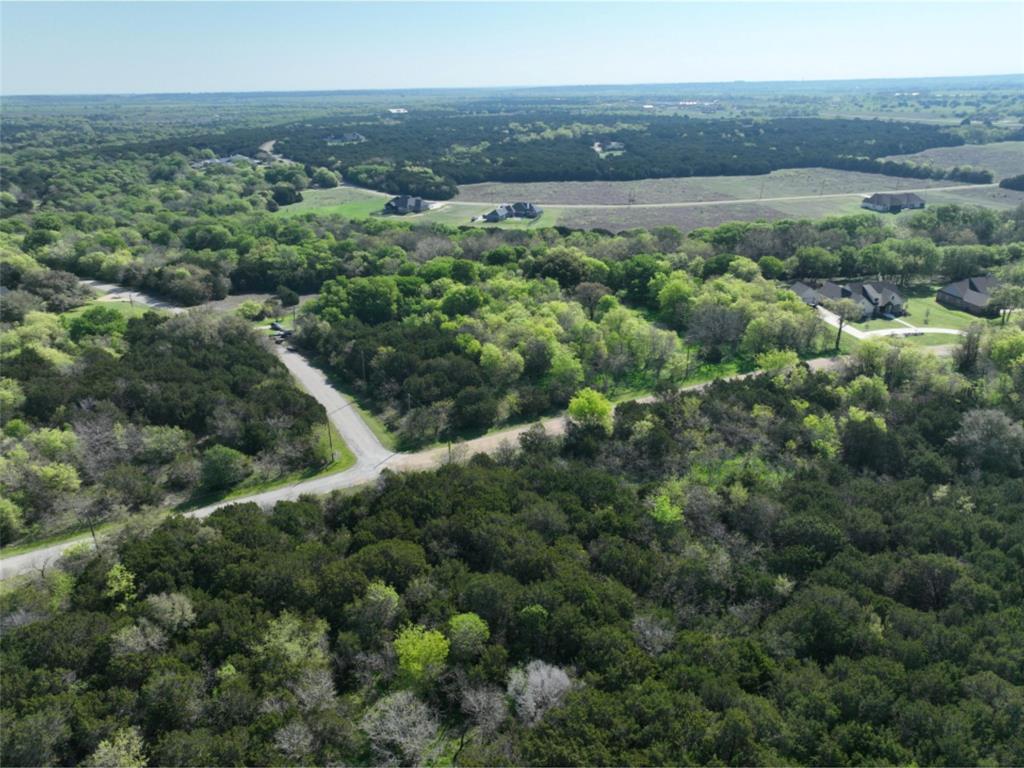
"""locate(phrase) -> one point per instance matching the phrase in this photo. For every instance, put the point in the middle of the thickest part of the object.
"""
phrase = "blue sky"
(150, 47)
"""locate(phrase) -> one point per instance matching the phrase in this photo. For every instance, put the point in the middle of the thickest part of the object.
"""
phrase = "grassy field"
(989, 197)
(356, 203)
(124, 307)
(346, 201)
(784, 183)
(619, 205)
(1003, 158)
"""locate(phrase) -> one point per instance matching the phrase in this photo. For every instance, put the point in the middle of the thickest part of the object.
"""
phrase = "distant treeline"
(1014, 182)
(906, 170)
(428, 153)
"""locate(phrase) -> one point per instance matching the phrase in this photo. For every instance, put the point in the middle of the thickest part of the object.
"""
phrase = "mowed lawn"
(923, 311)
(345, 201)
(126, 308)
(355, 203)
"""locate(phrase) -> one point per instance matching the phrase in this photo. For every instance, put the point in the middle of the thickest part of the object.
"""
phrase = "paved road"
(372, 457)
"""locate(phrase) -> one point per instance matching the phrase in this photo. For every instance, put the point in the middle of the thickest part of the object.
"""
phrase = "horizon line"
(550, 86)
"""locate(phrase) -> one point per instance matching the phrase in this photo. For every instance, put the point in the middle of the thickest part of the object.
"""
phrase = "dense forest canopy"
(820, 564)
(429, 152)
(798, 568)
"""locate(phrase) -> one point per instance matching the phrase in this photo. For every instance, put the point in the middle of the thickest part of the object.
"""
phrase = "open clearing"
(789, 182)
(987, 197)
(357, 203)
(687, 203)
(1003, 158)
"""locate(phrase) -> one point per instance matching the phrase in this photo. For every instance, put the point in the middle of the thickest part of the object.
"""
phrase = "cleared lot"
(617, 205)
(1003, 158)
(790, 182)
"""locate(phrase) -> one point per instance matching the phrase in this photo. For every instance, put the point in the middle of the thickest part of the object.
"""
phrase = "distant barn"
(892, 202)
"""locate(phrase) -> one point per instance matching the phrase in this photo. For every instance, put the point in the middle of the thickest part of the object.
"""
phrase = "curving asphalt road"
(372, 457)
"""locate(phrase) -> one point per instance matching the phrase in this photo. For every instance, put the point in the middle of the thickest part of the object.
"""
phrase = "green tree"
(665, 511)
(421, 653)
(223, 467)
(125, 749)
(11, 520)
(290, 645)
(97, 321)
(120, 586)
(814, 261)
(468, 634)
(590, 409)
(325, 178)
(373, 299)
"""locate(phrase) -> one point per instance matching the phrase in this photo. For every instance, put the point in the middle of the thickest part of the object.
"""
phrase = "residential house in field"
(875, 298)
(404, 204)
(502, 212)
(526, 210)
(892, 202)
(972, 294)
(513, 211)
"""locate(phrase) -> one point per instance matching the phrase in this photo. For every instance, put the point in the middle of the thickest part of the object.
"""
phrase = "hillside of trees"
(541, 146)
(104, 415)
(803, 568)
(812, 565)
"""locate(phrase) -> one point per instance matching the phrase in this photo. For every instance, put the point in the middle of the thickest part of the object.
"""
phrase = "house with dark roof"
(972, 294)
(404, 204)
(526, 210)
(513, 211)
(502, 212)
(875, 298)
(892, 202)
